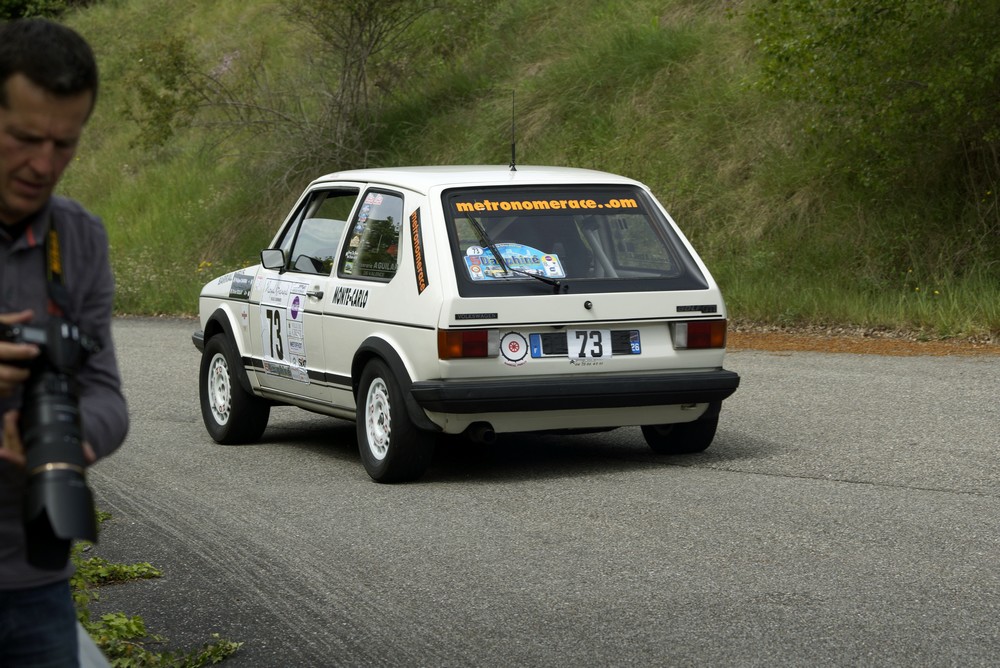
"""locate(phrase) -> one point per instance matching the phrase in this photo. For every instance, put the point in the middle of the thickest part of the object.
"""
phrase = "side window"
(311, 243)
(373, 240)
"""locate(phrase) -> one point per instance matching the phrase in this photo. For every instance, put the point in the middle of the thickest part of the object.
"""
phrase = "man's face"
(39, 133)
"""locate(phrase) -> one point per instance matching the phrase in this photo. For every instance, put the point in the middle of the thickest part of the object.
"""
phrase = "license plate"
(588, 343)
(592, 343)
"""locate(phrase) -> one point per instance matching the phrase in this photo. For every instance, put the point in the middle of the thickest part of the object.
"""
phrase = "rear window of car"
(596, 238)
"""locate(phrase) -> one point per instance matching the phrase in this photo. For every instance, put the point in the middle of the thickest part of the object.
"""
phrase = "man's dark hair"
(51, 55)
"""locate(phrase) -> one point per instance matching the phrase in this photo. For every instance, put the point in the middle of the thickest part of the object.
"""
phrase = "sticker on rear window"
(520, 259)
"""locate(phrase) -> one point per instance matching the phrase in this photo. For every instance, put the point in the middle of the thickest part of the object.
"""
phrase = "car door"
(291, 360)
(362, 303)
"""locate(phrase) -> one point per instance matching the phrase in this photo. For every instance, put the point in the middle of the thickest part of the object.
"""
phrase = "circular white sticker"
(514, 349)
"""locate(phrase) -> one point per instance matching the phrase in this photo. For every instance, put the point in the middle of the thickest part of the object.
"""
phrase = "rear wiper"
(484, 239)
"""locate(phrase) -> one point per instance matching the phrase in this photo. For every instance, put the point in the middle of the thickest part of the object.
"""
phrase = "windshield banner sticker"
(506, 205)
(521, 259)
(282, 329)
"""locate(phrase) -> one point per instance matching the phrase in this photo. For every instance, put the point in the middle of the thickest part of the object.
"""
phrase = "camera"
(58, 505)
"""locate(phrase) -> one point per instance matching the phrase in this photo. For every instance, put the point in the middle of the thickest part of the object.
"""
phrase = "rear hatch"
(574, 279)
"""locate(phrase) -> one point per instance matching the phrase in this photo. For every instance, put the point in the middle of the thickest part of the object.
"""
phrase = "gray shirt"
(86, 272)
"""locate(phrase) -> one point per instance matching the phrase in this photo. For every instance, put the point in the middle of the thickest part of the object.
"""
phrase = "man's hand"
(12, 376)
(11, 449)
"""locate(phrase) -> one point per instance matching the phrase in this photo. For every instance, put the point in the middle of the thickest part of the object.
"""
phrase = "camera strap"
(58, 295)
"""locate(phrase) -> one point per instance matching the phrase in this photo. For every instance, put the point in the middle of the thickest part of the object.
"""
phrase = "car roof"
(422, 179)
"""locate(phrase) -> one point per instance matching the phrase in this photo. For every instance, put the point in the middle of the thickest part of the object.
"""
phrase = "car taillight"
(699, 334)
(459, 343)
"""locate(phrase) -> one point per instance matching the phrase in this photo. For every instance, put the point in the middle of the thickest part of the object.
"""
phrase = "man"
(48, 87)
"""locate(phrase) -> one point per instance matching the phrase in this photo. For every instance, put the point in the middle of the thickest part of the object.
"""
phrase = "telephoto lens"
(58, 505)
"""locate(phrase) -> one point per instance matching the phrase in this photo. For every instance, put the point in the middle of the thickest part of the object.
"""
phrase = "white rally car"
(469, 300)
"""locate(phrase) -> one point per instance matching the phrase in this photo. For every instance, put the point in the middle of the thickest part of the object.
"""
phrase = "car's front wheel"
(231, 414)
(684, 438)
(392, 448)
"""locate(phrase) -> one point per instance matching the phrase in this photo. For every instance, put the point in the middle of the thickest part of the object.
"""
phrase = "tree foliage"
(165, 92)
(363, 53)
(364, 46)
(909, 88)
(365, 41)
(16, 9)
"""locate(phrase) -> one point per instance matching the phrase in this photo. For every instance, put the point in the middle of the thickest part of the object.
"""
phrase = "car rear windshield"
(577, 238)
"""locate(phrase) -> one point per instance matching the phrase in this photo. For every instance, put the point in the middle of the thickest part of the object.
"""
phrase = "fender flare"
(219, 323)
(375, 347)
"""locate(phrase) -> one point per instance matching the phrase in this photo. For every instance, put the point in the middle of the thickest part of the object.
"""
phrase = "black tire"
(684, 438)
(392, 448)
(232, 415)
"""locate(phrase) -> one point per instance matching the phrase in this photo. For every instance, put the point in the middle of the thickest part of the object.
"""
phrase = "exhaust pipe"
(481, 432)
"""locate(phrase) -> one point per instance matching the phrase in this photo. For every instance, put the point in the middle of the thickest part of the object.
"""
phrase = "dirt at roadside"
(855, 341)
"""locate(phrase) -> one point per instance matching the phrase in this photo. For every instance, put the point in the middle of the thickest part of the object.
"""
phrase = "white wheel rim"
(220, 394)
(377, 419)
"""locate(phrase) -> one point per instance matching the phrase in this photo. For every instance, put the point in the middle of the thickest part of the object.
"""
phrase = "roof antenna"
(513, 138)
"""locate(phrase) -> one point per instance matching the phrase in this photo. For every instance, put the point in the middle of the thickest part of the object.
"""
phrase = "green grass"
(122, 639)
(654, 90)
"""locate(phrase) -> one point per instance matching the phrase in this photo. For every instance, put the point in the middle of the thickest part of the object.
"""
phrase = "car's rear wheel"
(684, 438)
(231, 414)
(392, 448)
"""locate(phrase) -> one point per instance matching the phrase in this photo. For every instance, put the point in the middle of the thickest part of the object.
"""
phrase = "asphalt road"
(846, 515)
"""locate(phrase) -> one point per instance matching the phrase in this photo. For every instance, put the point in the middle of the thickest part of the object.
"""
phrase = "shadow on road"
(517, 456)
(533, 456)
(522, 456)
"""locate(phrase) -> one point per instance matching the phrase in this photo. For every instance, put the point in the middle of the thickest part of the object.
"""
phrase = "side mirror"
(273, 258)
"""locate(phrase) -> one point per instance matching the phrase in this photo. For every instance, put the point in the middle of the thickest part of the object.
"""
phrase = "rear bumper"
(574, 392)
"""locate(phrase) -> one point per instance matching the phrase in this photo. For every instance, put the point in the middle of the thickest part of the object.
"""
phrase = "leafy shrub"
(908, 89)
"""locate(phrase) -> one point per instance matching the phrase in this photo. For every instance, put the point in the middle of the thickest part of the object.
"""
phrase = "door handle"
(316, 294)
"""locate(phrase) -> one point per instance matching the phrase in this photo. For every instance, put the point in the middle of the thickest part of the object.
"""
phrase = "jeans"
(38, 628)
